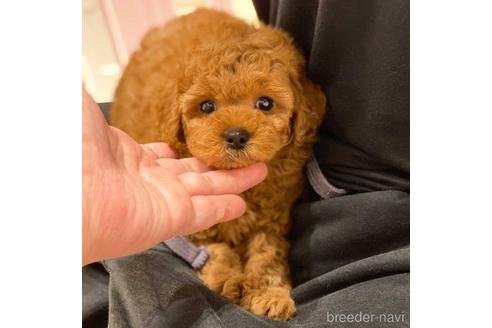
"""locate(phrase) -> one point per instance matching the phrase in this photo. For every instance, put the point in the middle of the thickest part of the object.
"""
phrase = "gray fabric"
(156, 289)
(195, 256)
(349, 256)
(95, 296)
(105, 109)
(318, 181)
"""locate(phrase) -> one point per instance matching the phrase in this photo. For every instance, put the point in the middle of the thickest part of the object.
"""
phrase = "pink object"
(129, 20)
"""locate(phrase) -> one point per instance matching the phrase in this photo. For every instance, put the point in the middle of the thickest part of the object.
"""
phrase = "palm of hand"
(141, 194)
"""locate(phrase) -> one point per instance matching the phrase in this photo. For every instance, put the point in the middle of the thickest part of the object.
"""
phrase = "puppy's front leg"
(223, 271)
(267, 286)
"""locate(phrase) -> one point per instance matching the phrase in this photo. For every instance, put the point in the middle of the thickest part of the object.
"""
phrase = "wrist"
(87, 236)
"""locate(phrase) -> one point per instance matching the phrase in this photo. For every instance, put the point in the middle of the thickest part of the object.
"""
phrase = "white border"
(40, 163)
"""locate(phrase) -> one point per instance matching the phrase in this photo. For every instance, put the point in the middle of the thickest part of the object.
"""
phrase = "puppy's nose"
(236, 138)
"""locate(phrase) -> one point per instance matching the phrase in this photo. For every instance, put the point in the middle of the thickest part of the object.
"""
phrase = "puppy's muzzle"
(236, 138)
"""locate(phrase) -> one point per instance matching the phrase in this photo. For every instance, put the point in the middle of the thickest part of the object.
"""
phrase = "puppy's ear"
(310, 101)
(309, 111)
(169, 122)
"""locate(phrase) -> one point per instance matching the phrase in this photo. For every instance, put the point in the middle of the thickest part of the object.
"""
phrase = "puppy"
(231, 95)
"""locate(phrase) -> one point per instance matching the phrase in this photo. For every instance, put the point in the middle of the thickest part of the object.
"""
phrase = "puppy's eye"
(264, 103)
(208, 106)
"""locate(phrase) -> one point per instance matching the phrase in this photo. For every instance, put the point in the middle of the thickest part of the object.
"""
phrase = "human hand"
(135, 196)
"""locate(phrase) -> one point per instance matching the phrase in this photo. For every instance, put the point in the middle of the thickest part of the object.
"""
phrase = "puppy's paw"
(223, 273)
(230, 287)
(273, 302)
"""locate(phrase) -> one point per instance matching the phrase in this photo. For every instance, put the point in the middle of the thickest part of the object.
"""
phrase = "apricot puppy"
(231, 95)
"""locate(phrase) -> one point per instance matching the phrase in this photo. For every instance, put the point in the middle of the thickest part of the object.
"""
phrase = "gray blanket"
(349, 255)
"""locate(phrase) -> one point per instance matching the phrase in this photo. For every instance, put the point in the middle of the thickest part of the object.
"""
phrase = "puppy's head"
(242, 101)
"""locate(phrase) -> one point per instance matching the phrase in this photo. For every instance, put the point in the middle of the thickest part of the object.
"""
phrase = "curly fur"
(211, 55)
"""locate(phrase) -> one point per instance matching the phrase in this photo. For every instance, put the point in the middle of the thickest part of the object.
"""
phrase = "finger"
(210, 210)
(159, 150)
(179, 166)
(223, 181)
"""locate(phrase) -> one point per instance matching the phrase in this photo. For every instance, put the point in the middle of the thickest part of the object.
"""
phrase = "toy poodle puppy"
(231, 95)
